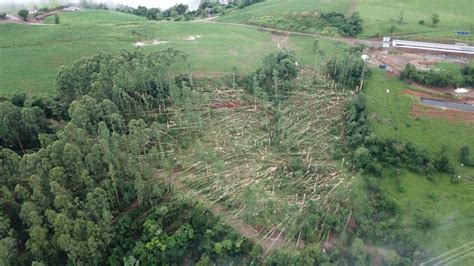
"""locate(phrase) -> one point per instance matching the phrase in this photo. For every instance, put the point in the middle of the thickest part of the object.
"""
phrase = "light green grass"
(270, 7)
(451, 205)
(31, 55)
(389, 116)
(379, 15)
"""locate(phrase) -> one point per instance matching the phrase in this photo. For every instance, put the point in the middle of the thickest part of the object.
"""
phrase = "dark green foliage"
(3, 15)
(468, 72)
(88, 195)
(436, 77)
(135, 83)
(23, 14)
(352, 26)
(175, 230)
(370, 153)
(313, 22)
(435, 19)
(21, 125)
(56, 19)
(465, 156)
(275, 76)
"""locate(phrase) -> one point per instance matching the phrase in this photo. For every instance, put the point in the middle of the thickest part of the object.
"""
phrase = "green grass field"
(32, 55)
(390, 117)
(270, 7)
(379, 15)
(450, 205)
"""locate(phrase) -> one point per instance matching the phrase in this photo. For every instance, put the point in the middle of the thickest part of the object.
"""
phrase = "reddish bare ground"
(453, 115)
(419, 94)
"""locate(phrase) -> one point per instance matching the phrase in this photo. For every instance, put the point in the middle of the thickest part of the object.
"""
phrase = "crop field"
(34, 54)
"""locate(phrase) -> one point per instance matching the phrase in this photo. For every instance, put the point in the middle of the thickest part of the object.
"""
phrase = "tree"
(3, 15)
(401, 20)
(435, 19)
(56, 19)
(392, 29)
(23, 13)
(464, 156)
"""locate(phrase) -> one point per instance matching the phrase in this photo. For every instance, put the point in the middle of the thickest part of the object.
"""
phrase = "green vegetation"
(390, 117)
(324, 23)
(276, 7)
(34, 61)
(380, 15)
(234, 149)
(442, 75)
(432, 232)
(23, 13)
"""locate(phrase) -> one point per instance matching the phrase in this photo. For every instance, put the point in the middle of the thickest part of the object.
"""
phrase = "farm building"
(436, 47)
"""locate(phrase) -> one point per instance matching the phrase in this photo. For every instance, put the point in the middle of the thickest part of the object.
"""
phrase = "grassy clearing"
(390, 117)
(379, 15)
(270, 7)
(34, 54)
(448, 205)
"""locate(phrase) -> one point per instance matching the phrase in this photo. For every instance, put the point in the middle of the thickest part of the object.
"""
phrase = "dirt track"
(274, 240)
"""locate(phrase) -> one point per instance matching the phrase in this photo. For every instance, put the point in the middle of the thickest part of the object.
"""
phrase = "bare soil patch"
(453, 115)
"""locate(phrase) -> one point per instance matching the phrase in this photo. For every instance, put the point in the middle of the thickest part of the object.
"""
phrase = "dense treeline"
(275, 78)
(88, 194)
(326, 23)
(440, 77)
(23, 120)
(181, 12)
(347, 68)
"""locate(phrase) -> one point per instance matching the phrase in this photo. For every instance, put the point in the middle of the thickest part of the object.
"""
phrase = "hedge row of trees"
(78, 179)
(440, 77)
(313, 22)
(373, 154)
(181, 12)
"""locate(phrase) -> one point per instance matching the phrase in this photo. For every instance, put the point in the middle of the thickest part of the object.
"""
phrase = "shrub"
(3, 15)
(464, 156)
(23, 13)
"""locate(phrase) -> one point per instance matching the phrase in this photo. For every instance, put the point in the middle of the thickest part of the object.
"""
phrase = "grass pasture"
(449, 206)
(32, 55)
(270, 7)
(390, 117)
(379, 15)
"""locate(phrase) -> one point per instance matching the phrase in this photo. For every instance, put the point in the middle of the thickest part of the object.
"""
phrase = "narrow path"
(274, 241)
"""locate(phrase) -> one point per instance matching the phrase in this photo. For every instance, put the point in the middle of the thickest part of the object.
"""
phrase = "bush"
(464, 156)
(425, 220)
(23, 13)
(3, 15)
(438, 77)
